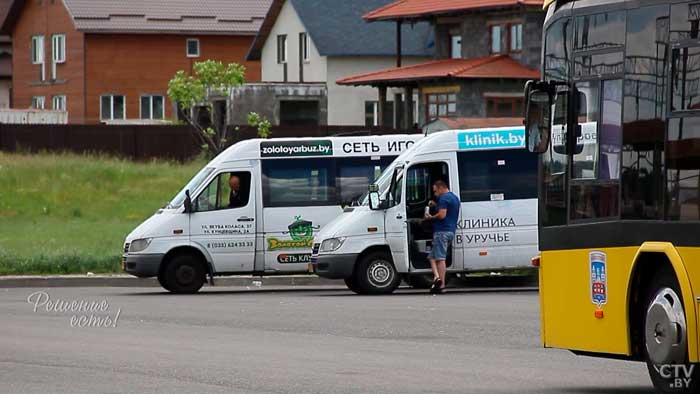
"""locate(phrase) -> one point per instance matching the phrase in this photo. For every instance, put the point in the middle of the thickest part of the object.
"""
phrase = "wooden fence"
(142, 142)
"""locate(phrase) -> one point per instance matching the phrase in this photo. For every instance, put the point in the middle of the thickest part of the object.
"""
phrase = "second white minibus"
(255, 208)
(373, 246)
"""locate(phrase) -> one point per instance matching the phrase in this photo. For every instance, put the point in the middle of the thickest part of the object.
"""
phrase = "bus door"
(419, 181)
(223, 220)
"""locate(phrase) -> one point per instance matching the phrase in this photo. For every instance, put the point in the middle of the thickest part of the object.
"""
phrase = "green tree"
(210, 79)
(263, 125)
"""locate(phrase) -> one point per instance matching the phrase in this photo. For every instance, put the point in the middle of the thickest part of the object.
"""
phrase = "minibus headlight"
(331, 244)
(139, 245)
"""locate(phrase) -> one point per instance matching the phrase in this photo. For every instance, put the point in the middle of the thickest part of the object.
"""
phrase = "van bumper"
(334, 266)
(142, 265)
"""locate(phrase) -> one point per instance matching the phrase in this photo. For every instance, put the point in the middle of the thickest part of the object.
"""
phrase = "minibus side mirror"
(188, 202)
(538, 119)
(374, 203)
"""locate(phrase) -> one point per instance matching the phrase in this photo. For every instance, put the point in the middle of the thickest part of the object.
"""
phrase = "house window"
(38, 55)
(112, 107)
(456, 46)
(152, 107)
(192, 47)
(59, 103)
(372, 113)
(504, 107)
(58, 48)
(38, 102)
(282, 48)
(58, 52)
(305, 45)
(442, 104)
(516, 37)
(38, 50)
(496, 33)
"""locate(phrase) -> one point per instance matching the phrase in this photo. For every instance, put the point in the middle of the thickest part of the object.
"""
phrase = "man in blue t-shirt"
(444, 228)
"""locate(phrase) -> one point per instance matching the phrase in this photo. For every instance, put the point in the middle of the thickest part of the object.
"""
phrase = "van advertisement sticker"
(301, 235)
(599, 278)
(491, 139)
(296, 148)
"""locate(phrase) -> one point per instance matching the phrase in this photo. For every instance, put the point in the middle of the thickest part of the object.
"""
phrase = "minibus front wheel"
(351, 283)
(376, 274)
(184, 274)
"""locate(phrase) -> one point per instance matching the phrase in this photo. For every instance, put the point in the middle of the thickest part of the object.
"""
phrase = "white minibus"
(376, 245)
(255, 208)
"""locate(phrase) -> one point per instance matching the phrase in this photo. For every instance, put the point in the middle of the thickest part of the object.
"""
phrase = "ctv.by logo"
(679, 375)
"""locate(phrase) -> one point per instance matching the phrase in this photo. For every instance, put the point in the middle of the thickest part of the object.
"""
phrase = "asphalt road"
(326, 341)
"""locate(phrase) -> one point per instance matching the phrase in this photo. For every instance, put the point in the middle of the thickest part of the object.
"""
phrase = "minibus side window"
(508, 174)
(219, 194)
(298, 182)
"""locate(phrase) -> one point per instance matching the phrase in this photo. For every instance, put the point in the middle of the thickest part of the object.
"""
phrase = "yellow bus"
(616, 122)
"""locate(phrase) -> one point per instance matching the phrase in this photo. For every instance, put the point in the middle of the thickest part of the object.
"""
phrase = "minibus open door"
(419, 233)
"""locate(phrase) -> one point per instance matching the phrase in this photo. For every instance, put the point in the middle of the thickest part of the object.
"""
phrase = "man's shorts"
(441, 241)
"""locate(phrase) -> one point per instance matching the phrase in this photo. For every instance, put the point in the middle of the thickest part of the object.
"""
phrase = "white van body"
(495, 178)
(294, 187)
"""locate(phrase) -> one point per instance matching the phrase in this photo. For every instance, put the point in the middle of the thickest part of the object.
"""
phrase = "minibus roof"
(310, 147)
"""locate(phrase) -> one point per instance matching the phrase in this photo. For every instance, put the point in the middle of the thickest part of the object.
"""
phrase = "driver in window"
(235, 198)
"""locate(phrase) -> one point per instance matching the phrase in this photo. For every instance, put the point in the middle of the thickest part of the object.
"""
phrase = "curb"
(131, 281)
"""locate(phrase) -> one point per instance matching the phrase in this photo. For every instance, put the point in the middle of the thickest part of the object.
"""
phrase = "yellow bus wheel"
(666, 337)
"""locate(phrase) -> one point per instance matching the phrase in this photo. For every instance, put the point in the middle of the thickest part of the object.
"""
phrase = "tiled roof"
(169, 16)
(417, 9)
(501, 66)
(347, 34)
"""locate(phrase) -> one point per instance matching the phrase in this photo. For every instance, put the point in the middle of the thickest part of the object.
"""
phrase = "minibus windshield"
(384, 182)
(192, 185)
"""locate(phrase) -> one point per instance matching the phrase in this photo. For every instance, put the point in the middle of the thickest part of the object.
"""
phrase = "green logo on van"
(296, 148)
(301, 233)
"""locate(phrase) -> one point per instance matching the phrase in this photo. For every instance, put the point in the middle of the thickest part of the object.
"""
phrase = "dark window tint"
(497, 175)
(298, 182)
(600, 30)
(355, 174)
(592, 200)
(558, 50)
(683, 169)
(643, 113)
(685, 79)
(555, 162)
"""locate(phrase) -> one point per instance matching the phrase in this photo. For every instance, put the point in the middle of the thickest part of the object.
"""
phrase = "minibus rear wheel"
(666, 337)
(184, 274)
(376, 274)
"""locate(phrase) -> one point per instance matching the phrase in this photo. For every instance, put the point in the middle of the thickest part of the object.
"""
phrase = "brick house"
(110, 61)
(485, 51)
